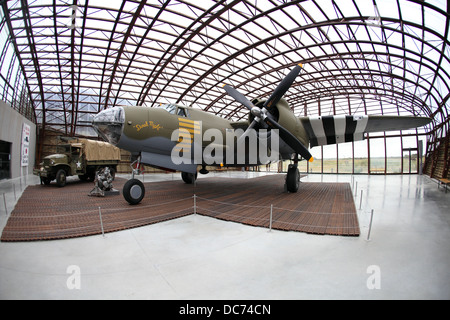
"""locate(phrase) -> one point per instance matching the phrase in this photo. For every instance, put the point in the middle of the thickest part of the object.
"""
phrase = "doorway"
(5, 160)
(410, 160)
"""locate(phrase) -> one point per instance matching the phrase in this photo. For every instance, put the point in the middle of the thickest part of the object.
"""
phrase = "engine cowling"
(283, 114)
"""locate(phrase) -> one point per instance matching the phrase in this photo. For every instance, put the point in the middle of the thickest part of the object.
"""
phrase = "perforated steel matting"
(49, 212)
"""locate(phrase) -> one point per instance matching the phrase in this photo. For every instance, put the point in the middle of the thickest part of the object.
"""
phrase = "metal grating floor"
(49, 212)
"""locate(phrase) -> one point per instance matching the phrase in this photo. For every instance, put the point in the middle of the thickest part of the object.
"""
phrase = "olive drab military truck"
(80, 157)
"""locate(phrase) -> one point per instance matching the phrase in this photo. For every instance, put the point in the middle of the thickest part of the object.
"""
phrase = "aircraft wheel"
(133, 191)
(293, 179)
(189, 178)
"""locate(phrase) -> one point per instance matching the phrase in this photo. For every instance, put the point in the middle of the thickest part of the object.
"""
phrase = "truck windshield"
(64, 148)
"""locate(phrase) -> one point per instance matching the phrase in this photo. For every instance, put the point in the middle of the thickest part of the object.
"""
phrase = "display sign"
(25, 144)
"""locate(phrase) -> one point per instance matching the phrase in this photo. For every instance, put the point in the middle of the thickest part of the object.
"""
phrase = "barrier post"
(195, 204)
(370, 226)
(4, 202)
(360, 200)
(101, 220)
(270, 222)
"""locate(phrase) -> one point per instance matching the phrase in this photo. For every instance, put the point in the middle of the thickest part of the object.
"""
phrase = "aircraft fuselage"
(161, 134)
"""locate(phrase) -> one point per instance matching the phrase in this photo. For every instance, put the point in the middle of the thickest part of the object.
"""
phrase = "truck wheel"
(133, 191)
(112, 171)
(61, 178)
(90, 176)
(46, 181)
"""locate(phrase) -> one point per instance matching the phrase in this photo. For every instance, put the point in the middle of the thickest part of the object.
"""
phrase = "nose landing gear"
(134, 190)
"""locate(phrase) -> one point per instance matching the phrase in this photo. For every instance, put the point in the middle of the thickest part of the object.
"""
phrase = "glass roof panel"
(146, 52)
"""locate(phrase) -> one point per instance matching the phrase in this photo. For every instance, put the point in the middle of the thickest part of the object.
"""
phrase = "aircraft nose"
(109, 124)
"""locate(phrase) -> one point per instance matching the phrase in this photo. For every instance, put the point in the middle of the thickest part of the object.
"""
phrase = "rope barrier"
(94, 211)
(276, 220)
(90, 226)
(231, 204)
(232, 215)
(265, 207)
(271, 216)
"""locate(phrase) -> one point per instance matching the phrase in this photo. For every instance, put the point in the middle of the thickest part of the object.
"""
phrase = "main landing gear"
(189, 178)
(293, 177)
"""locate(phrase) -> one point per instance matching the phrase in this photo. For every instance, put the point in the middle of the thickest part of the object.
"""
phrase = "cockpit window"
(170, 108)
(109, 124)
(181, 112)
(114, 115)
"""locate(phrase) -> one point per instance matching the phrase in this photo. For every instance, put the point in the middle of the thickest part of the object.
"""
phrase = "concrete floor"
(196, 257)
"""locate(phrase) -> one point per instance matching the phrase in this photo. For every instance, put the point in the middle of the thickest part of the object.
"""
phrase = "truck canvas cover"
(98, 150)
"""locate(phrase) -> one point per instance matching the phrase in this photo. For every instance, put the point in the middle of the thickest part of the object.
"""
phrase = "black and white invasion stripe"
(334, 129)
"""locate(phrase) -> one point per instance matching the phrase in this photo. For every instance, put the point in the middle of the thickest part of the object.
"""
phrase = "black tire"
(61, 178)
(90, 176)
(189, 178)
(46, 181)
(133, 191)
(293, 179)
(112, 171)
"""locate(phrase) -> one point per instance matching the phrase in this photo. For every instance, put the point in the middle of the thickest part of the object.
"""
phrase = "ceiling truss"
(75, 58)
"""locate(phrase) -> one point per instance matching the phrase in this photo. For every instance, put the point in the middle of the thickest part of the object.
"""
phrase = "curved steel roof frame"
(78, 57)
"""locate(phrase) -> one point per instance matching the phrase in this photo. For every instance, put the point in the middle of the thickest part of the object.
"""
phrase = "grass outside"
(377, 165)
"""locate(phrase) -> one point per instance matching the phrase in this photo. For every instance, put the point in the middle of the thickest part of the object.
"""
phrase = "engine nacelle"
(285, 117)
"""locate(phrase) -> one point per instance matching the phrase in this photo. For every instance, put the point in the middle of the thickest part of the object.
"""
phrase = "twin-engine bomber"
(181, 138)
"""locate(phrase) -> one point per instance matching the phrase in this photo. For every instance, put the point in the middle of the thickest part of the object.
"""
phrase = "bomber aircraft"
(180, 138)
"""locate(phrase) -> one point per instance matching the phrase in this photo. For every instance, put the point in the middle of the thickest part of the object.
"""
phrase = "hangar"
(63, 62)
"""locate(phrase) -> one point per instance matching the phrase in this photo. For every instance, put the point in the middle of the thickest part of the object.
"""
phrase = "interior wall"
(11, 124)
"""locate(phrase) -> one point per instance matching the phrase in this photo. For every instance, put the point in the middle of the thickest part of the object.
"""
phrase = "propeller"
(283, 87)
(263, 116)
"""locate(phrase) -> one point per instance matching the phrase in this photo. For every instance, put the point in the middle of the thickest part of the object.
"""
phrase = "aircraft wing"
(337, 129)
(240, 124)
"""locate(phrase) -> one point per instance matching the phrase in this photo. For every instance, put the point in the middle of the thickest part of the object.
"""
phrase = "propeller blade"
(239, 97)
(262, 114)
(284, 86)
(242, 138)
(290, 139)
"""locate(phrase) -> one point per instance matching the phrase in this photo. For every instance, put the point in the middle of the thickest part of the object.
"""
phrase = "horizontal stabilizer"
(392, 123)
(338, 129)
